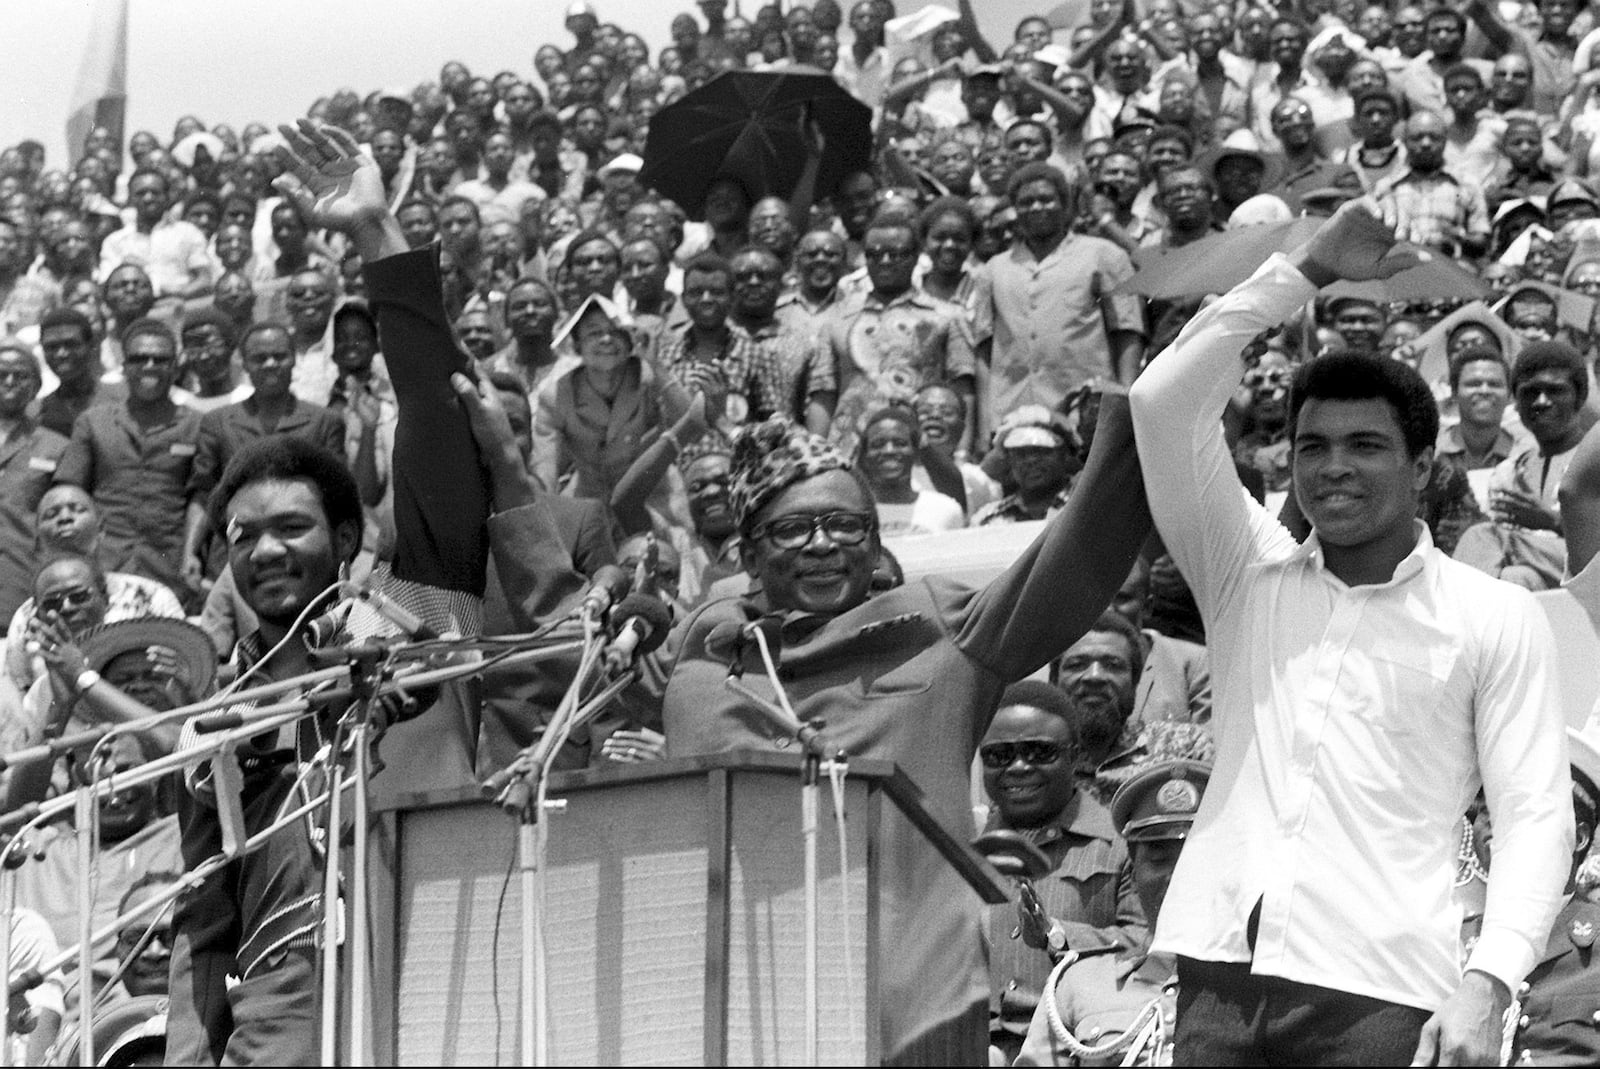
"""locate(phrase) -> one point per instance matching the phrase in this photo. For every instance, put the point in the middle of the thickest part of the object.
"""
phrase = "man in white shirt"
(172, 252)
(1364, 686)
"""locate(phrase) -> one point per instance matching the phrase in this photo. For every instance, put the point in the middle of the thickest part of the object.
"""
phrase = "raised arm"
(440, 500)
(1492, 26)
(1210, 526)
(646, 472)
(967, 23)
(1051, 595)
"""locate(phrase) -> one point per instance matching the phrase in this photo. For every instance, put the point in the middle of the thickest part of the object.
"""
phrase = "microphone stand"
(227, 725)
(523, 793)
(155, 902)
(368, 669)
(84, 802)
(809, 734)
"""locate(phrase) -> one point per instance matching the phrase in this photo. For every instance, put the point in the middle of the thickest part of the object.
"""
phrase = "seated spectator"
(1441, 211)
(209, 377)
(1028, 756)
(941, 421)
(1522, 543)
(1174, 684)
(67, 338)
(1099, 998)
(29, 456)
(593, 419)
(1480, 392)
(34, 1014)
(163, 664)
(1039, 452)
(890, 442)
(68, 523)
(1263, 444)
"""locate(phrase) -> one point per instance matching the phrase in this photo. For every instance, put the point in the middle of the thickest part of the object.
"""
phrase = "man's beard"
(1100, 726)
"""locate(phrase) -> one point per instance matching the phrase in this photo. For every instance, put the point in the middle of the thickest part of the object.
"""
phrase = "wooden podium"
(674, 925)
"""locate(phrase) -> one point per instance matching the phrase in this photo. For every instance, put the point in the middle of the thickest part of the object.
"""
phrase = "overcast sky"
(235, 61)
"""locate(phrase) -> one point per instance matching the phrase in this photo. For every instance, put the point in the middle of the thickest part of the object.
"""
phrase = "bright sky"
(235, 61)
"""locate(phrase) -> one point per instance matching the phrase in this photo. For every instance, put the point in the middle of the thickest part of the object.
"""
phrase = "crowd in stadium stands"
(949, 317)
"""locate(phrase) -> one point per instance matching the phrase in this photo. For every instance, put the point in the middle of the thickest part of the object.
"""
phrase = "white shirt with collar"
(1353, 724)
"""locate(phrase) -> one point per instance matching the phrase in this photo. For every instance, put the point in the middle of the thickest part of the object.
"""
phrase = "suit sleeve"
(441, 500)
(1061, 584)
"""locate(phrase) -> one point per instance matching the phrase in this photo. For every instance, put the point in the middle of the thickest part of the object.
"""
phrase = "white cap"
(579, 7)
(627, 162)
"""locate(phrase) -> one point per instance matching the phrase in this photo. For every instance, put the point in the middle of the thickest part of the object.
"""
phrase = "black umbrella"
(751, 125)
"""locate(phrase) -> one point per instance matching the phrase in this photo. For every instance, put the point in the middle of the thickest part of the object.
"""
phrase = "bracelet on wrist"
(86, 679)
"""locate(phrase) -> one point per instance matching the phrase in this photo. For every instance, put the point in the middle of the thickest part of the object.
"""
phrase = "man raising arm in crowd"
(1364, 686)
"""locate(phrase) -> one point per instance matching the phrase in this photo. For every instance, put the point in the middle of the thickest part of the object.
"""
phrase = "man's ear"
(347, 541)
(1422, 470)
(1584, 839)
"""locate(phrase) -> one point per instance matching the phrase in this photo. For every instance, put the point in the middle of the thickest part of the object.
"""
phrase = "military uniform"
(1101, 994)
(1559, 1022)
(1111, 1006)
(1558, 1007)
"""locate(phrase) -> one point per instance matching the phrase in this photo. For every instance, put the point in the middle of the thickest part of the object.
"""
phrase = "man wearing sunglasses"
(135, 459)
(1029, 756)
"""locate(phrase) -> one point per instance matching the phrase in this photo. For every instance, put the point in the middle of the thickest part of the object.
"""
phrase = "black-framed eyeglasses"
(139, 360)
(999, 755)
(795, 532)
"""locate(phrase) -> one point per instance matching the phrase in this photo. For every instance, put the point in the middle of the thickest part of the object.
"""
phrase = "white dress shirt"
(1353, 724)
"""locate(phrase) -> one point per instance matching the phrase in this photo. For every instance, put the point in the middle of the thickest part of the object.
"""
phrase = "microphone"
(609, 586)
(325, 628)
(645, 623)
(730, 640)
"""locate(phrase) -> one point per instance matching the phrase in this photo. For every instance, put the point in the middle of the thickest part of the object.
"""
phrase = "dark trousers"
(1228, 1016)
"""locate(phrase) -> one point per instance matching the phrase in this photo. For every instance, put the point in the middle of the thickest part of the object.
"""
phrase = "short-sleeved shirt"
(173, 254)
(1089, 886)
(885, 351)
(1053, 319)
(755, 379)
(792, 353)
(1435, 201)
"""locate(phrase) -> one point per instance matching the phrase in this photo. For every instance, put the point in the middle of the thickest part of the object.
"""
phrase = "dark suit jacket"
(517, 702)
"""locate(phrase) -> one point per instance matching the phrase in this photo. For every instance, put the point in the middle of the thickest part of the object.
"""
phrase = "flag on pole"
(101, 95)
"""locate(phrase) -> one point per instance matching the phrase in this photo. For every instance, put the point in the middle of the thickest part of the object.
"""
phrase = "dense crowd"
(949, 318)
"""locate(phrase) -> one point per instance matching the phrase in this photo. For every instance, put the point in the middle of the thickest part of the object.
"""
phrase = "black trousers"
(1228, 1016)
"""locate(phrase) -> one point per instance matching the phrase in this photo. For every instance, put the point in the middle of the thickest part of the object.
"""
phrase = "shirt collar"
(1415, 563)
(911, 296)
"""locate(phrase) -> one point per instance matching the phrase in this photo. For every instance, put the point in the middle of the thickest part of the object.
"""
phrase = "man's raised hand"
(330, 180)
(336, 186)
(1358, 243)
